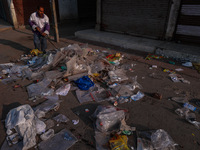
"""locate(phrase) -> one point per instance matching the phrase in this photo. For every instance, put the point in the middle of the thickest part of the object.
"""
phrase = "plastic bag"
(22, 119)
(84, 83)
(182, 111)
(191, 118)
(108, 118)
(119, 142)
(161, 140)
(38, 88)
(40, 126)
(63, 91)
(138, 96)
(61, 118)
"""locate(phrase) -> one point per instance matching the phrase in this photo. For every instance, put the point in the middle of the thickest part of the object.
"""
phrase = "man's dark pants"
(40, 42)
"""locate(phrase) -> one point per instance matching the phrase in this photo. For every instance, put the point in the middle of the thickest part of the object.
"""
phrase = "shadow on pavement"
(14, 45)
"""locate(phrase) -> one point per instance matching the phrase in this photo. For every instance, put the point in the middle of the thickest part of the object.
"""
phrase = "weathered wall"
(24, 8)
(68, 9)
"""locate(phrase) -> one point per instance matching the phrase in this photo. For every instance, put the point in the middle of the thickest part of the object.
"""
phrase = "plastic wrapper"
(155, 140)
(182, 111)
(83, 96)
(60, 141)
(61, 118)
(6, 65)
(47, 135)
(108, 118)
(180, 99)
(95, 93)
(54, 74)
(47, 106)
(101, 140)
(161, 140)
(178, 78)
(17, 70)
(52, 97)
(63, 91)
(117, 75)
(50, 58)
(38, 88)
(40, 126)
(138, 96)
(11, 79)
(49, 92)
(119, 142)
(191, 118)
(127, 90)
(27, 73)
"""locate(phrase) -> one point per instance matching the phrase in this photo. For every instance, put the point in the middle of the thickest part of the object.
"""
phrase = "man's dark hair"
(39, 6)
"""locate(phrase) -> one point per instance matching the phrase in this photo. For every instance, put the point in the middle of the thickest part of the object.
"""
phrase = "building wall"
(188, 25)
(145, 18)
(68, 9)
(24, 8)
(5, 11)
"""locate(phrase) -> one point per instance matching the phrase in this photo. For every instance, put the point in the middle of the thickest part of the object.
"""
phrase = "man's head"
(40, 11)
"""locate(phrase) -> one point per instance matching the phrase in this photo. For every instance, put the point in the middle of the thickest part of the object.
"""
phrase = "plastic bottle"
(189, 106)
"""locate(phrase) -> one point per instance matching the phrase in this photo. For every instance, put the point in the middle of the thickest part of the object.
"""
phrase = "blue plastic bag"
(84, 83)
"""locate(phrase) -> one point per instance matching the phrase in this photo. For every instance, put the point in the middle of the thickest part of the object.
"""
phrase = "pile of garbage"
(99, 76)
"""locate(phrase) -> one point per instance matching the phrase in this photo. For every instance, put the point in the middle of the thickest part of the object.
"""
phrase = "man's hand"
(38, 29)
(44, 34)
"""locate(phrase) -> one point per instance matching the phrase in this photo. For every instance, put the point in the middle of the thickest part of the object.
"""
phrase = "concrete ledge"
(169, 49)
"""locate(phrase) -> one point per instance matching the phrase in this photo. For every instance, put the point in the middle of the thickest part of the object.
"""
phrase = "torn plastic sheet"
(22, 119)
(158, 140)
(96, 94)
(11, 79)
(47, 106)
(108, 118)
(60, 141)
(37, 89)
(101, 140)
(54, 74)
(61, 118)
(63, 91)
(117, 75)
(190, 117)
